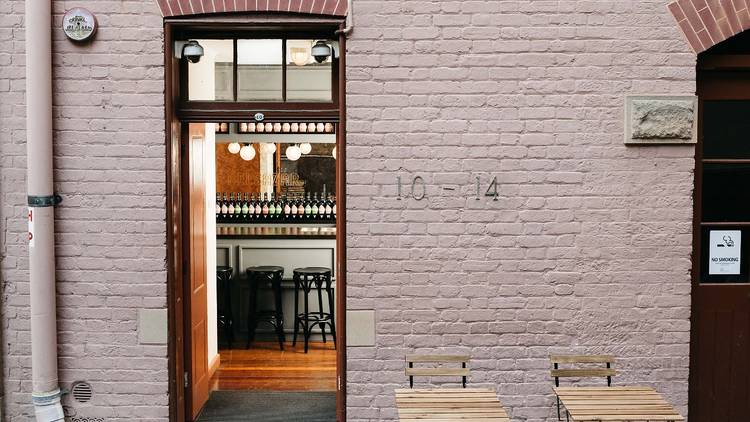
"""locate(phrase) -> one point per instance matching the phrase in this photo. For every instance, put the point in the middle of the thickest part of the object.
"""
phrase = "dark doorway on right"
(720, 333)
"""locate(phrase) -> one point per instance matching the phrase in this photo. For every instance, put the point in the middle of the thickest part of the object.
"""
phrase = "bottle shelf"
(274, 219)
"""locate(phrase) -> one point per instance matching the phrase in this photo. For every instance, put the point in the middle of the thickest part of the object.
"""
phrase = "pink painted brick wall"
(588, 249)
(111, 234)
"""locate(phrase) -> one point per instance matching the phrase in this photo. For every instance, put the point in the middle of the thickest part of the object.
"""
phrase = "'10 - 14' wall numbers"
(417, 188)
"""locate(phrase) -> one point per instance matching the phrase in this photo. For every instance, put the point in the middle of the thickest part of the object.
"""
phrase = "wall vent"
(81, 391)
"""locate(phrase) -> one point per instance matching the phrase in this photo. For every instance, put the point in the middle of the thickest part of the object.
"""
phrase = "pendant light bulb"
(305, 148)
(293, 153)
(234, 147)
(247, 152)
(333, 153)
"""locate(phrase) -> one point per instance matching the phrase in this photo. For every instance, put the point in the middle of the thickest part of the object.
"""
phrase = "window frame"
(197, 109)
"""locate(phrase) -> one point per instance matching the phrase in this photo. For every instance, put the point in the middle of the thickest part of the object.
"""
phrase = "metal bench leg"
(411, 377)
(463, 365)
(559, 418)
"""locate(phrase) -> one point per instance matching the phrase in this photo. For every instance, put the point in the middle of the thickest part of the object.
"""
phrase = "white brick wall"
(587, 251)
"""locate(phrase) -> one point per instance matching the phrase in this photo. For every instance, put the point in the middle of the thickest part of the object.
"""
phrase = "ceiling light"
(333, 152)
(305, 148)
(247, 152)
(234, 147)
(293, 153)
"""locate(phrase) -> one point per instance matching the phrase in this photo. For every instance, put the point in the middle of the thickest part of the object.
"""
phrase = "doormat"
(269, 406)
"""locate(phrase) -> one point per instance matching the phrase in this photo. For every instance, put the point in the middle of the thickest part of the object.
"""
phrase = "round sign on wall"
(79, 24)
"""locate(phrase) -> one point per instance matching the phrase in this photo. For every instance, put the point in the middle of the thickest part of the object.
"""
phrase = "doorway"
(720, 333)
(238, 142)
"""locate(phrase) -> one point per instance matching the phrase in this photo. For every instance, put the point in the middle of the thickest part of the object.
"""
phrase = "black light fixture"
(192, 51)
(321, 51)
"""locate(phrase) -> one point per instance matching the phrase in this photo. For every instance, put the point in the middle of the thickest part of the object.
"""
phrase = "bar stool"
(307, 279)
(256, 276)
(224, 303)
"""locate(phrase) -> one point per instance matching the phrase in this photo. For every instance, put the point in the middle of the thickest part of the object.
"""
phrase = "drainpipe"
(46, 391)
(349, 20)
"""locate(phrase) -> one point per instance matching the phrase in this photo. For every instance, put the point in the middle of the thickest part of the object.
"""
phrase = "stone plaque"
(660, 119)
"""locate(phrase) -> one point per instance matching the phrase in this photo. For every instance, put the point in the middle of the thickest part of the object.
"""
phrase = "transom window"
(273, 70)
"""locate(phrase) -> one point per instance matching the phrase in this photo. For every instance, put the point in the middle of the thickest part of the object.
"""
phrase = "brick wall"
(109, 161)
(588, 249)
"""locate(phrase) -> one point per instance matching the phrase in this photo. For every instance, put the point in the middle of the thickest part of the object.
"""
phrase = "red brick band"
(199, 7)
(706, 23)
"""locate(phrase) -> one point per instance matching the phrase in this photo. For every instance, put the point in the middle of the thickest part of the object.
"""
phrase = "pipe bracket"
(39, 201)
(46, 398)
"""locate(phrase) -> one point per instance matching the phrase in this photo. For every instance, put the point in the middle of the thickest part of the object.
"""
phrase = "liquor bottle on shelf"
(264, 208)
(258, 209)
(279, 207)
(313, 207)
(301, 207)
(272, 207)
(245, 208)
(218, 204)
(224, 206)
(308, 208)
(293, 208)
(333, 206)
(287, 208)
(321, 207)
(230, 207)
(329, 209)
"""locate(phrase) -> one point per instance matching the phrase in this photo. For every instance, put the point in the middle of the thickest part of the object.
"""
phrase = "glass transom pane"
(259, 70)
(306, 79)
(212, 78)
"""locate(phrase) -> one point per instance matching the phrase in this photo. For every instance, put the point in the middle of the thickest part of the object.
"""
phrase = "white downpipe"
(46, 390)
(349, 20)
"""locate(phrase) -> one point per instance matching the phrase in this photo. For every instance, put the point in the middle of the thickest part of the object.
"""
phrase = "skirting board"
(213, 366)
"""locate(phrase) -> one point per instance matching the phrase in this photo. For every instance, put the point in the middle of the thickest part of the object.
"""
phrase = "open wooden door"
(196, 353)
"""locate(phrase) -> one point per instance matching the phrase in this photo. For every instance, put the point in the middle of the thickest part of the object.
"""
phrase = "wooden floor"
(265, 367)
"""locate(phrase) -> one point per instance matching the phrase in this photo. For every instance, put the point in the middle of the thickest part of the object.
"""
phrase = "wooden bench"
(449, 404)
(440, 370)
(620, 404)
(581, 369)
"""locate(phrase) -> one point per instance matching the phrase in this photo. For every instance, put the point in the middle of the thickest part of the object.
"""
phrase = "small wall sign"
(79, 24)
(724, 252)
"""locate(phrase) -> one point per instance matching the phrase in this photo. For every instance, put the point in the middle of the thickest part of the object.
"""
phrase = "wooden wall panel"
(233, 174)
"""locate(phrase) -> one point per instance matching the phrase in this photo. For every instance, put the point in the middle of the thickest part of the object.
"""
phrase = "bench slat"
(582, 359)
(437, 358)
(588, 372)
(438, 372)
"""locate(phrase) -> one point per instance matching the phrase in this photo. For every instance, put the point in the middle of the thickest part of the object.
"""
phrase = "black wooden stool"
(307, 279)
(256, 276)
(224, 303)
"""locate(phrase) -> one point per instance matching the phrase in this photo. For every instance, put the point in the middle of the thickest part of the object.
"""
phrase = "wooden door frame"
(177, 258)
(708, 87)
